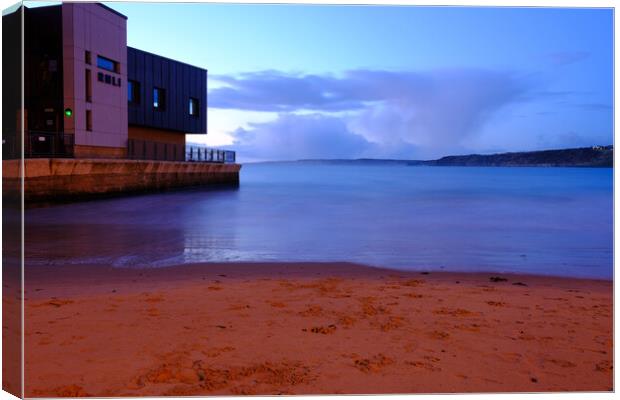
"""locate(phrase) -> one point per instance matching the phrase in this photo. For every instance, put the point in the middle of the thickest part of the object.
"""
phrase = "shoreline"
(260, 268)
(311, 328)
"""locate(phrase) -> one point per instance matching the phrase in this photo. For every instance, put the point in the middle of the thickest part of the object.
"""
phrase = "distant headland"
(593, 157)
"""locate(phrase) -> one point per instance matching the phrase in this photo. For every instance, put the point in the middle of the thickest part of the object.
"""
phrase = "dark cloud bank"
(367, 113)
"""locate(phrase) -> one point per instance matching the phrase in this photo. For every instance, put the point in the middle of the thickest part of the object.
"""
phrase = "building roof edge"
(111, 10)
(168, 58)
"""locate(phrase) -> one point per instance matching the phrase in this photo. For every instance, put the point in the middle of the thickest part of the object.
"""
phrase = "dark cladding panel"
(191, 93)
(166, 83)
(193, 83)
(142, 78)
(183, 92)
(200, 82)
(180, 81)
(175, 96)
(131, 112)
(204, 103)
(149, 84)
(157, 82)
(150, 80)
(187, 74)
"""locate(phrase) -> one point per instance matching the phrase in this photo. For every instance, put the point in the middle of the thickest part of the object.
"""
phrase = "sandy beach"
(311, 329)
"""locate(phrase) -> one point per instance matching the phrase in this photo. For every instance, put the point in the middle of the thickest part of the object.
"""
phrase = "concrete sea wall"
(60, 179)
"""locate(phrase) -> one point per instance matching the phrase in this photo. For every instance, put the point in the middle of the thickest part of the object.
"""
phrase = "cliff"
(596, 156)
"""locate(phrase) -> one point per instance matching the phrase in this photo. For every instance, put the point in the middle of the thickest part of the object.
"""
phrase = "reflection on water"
(545, 220)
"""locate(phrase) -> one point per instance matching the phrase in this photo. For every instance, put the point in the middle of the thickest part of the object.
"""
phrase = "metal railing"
(37, 144)
(150, 150)
(206, 154)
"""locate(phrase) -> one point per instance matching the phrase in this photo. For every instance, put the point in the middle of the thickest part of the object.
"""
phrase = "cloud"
(275, 91)
(294, 137)
(430, 112)
(567, 57)
(447, 108)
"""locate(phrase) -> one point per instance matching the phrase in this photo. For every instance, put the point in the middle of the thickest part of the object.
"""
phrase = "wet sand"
(311, 329)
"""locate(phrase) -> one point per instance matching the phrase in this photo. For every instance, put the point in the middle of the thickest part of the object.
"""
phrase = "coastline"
(311, 328)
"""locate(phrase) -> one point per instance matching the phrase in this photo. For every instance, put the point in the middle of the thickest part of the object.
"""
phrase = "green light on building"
(68, 112)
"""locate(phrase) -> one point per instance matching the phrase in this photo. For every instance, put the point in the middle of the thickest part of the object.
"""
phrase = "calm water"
(555, 221)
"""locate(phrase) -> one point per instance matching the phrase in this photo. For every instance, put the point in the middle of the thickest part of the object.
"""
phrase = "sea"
(546, 221)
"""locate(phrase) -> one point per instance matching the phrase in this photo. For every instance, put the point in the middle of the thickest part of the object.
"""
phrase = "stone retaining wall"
(51, 179)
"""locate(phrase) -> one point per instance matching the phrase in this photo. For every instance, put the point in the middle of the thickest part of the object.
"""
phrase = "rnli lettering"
(109, 79)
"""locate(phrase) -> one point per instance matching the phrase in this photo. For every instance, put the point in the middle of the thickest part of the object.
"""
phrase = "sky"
(290, 82)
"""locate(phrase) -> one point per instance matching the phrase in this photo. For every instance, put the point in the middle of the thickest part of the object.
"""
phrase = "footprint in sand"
(217, 351)
(112, 308)
(373, 364)
(425, 365)
(603, 366)
(562, 363)
(71, 340)
(413, 282)
(198, 377)
(391, 324)
(54, 303)
(152, 312)
(346, 321)
(439, 335)
(455, 312)
(324, 330)
(154, 299)
(369, 309)
(468, 327)
(62, 391)
(239, 307)
(312, 311)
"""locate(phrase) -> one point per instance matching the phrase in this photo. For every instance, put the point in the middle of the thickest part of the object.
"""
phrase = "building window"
(88, 86)
(89, 120)
(133, 92)
(193, 107)
(87, 57)
(107, 64)
(159, 99)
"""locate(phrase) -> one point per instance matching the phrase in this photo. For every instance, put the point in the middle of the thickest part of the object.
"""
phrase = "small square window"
(89, 120)
(88, 86)
(193, 107)
(87, 57)
(159, 99)
(133, 92)
(107, 64)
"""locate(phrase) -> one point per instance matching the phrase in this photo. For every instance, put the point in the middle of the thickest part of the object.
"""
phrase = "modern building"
(88, 95)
